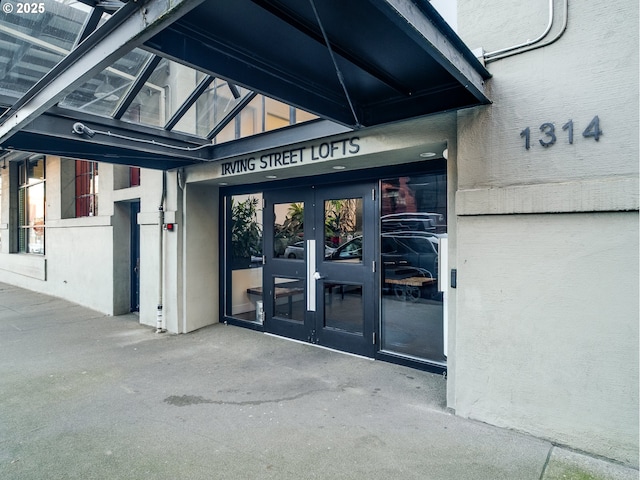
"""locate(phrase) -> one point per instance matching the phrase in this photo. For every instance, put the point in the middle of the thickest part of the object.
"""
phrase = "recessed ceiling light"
(271, 176)
(427, 154)
(338, 167)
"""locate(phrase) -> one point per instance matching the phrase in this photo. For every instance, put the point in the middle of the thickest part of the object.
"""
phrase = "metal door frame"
(311, 329)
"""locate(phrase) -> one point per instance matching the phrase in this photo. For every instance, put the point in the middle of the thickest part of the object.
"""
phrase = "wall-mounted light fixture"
(82, 129)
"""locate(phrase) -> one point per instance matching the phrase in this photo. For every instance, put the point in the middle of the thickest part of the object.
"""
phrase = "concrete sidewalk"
(84, 396)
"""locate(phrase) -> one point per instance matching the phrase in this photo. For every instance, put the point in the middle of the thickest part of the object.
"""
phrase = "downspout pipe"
(160, 328)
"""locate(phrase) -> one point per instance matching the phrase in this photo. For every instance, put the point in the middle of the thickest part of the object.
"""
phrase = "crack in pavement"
(186, 400)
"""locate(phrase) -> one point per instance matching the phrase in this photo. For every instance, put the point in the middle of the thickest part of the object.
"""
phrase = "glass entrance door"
(288, 222)
(344, 268)
(344, 274)
(319, 271)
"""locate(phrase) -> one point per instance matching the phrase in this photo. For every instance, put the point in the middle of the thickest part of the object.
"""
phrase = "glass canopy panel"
(261, 115)
(302, 116)
(168, 87)
(31, 44)
(253, 117)
(264, 114)
(210, 108)
(228, 133)
(102, 94)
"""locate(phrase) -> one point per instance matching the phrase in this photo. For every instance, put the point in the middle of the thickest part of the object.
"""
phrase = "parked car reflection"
(297, 250)
(405, 255)
(413, 222)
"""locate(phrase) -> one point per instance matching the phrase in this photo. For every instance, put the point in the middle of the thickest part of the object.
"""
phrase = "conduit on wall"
(532, 44)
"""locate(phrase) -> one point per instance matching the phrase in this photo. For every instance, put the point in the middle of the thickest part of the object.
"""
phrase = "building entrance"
(319, 271)
(354, 267)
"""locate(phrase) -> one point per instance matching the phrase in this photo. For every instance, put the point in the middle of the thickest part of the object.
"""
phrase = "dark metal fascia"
(302, 132)
(422, 22)
(188, 45)
(314, 33)
(146, 131)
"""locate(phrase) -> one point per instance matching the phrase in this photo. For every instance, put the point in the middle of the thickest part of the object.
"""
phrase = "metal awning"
(358, 63)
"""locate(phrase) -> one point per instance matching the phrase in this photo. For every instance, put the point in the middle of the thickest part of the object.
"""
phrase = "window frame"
(27, 185)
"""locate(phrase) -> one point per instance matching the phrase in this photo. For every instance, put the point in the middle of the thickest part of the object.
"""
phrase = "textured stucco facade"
(547, 306)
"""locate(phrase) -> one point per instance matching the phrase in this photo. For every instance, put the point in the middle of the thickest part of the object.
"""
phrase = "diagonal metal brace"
(335, 64)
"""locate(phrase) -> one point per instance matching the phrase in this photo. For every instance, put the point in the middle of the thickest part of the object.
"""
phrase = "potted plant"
(291, 229)
(246, 234)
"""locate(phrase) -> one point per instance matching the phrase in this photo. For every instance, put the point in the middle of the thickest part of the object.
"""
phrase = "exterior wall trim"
(80, 222)
(599, 195)
(25, 264)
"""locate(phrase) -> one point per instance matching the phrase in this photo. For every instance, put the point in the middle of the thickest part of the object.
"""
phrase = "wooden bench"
(409, 288)
(281, 292)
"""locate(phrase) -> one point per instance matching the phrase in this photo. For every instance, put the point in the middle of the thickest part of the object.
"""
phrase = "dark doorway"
(135, 257)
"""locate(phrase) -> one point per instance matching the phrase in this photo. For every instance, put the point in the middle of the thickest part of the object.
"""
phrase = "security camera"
(81, 129)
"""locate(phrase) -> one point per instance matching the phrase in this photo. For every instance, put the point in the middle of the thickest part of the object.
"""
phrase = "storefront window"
(245, 299)
(31, 205)
(412, 225)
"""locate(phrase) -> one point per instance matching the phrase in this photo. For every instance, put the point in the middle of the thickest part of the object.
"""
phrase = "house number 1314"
(549, 135)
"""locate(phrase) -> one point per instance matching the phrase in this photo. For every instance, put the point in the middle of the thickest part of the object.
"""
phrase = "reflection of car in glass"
(404, 255)
(297, 250)
(349, 250)
(413, 222)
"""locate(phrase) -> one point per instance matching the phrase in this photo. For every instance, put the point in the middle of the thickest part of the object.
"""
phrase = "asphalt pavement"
(86, 396)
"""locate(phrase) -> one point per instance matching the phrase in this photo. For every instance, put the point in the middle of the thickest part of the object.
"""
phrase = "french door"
(319, 272)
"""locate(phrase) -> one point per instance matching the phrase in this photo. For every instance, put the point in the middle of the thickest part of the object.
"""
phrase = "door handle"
(317, 276)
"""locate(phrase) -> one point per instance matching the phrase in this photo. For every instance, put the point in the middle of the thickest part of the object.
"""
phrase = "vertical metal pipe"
(159, 315)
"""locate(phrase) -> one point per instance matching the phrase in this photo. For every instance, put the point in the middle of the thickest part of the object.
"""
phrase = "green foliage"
(246, 231)
(290, 230)
(339, 218)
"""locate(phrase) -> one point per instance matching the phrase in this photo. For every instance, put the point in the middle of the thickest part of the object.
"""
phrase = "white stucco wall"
(547, 332)
(148, 218)
(202, 257)
(547, 308)
(87, 260)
